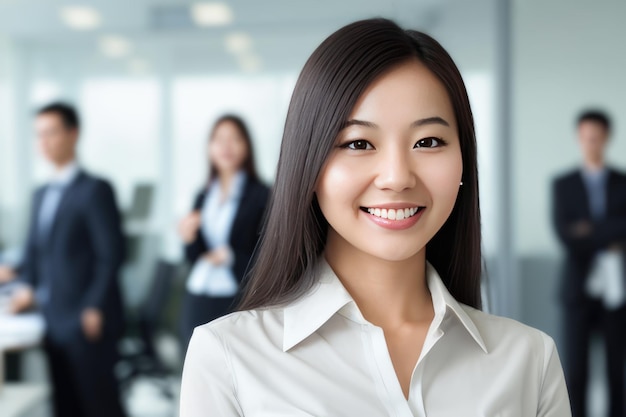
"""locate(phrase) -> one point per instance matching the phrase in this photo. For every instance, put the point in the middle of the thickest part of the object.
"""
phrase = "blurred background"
(149, 78)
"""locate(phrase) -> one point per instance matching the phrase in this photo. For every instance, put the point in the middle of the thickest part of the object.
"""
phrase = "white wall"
(568, 55)
(467, 31)
(14, 168)
(5, 143)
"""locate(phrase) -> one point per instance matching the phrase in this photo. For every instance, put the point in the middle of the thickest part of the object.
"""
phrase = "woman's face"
(392, 179)
(227, 148)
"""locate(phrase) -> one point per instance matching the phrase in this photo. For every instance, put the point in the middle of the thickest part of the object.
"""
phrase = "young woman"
(222, 230)
(365, 296)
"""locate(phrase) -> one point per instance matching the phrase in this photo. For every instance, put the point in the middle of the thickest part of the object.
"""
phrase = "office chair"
(138, 353)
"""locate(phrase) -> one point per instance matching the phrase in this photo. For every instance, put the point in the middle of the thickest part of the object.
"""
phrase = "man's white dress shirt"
(319, 357)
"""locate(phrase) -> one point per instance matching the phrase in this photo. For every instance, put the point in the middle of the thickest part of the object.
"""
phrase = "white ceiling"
(40, 18)
(284, 32)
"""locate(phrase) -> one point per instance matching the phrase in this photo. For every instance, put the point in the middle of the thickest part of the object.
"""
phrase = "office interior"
(150, 76)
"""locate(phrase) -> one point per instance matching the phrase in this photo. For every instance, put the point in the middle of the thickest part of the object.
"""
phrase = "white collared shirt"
(66, 174)
(53, 193)
(218, 216)
(319, 357)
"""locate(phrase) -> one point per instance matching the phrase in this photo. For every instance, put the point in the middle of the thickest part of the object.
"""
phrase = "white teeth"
(393, 214)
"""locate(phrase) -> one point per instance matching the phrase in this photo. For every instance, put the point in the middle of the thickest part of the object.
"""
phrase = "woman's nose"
(395, 171)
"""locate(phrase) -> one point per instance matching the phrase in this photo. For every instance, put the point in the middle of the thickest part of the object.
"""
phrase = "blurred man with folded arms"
(72, 259)
(589, 214)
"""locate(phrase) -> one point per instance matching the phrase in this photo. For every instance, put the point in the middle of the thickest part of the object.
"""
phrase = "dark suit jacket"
(80, 260)
(570, 206)
(245, 230)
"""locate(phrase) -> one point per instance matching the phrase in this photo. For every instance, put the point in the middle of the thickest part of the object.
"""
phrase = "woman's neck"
(388, 293)
(226, 179)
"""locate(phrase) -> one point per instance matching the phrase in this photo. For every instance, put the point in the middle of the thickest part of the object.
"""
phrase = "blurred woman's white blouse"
(319, 357)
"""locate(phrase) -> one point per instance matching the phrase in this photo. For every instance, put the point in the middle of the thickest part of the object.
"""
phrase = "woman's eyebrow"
(355, 122)
(421, 122)
(429, 121)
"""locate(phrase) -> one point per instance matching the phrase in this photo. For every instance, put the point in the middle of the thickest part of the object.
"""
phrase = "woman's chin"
(392, 254)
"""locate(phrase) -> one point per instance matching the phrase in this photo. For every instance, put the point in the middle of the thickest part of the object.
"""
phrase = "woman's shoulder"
(256, 191)
(527, 356)
(247, 327)
(502, 332)
(257, 186)
(217, 352)
(246, 318)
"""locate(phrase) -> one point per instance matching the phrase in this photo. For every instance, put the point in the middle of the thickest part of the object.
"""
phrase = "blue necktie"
(597, 196)
(47, 211)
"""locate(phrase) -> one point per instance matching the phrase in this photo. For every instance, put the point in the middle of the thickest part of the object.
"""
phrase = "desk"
(19, 332)
(21, 400)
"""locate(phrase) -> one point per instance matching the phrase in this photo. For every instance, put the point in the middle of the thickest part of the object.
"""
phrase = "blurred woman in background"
(222, 229)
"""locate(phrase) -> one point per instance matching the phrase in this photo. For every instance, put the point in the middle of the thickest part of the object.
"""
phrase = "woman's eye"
(429, 143)
(358, 145)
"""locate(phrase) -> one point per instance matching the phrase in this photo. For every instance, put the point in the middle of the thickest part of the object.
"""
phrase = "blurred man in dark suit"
(589, 214)
(72, 259)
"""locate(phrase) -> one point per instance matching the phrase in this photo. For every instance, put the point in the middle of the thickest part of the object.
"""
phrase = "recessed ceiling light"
(250, 63)
(238, 43)
(114, 46)
(211, 14)
(80, 17)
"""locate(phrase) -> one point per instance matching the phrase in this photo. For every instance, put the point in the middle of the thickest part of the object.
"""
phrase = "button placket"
(387, 384)
(416, 395)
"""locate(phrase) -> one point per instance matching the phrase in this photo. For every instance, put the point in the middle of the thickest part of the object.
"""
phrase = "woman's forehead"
(407, 93)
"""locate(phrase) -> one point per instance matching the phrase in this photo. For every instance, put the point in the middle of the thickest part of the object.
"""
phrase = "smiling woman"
(365, 296)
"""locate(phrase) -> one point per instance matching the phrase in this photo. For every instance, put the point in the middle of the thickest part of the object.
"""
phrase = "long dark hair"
(331, 82)
(248, 165)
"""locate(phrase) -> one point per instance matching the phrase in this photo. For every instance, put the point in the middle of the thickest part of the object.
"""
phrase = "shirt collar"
(65, 175)
(239, 181)
(599, 174)
(328, 297)
(309, 312)
(445, 304)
